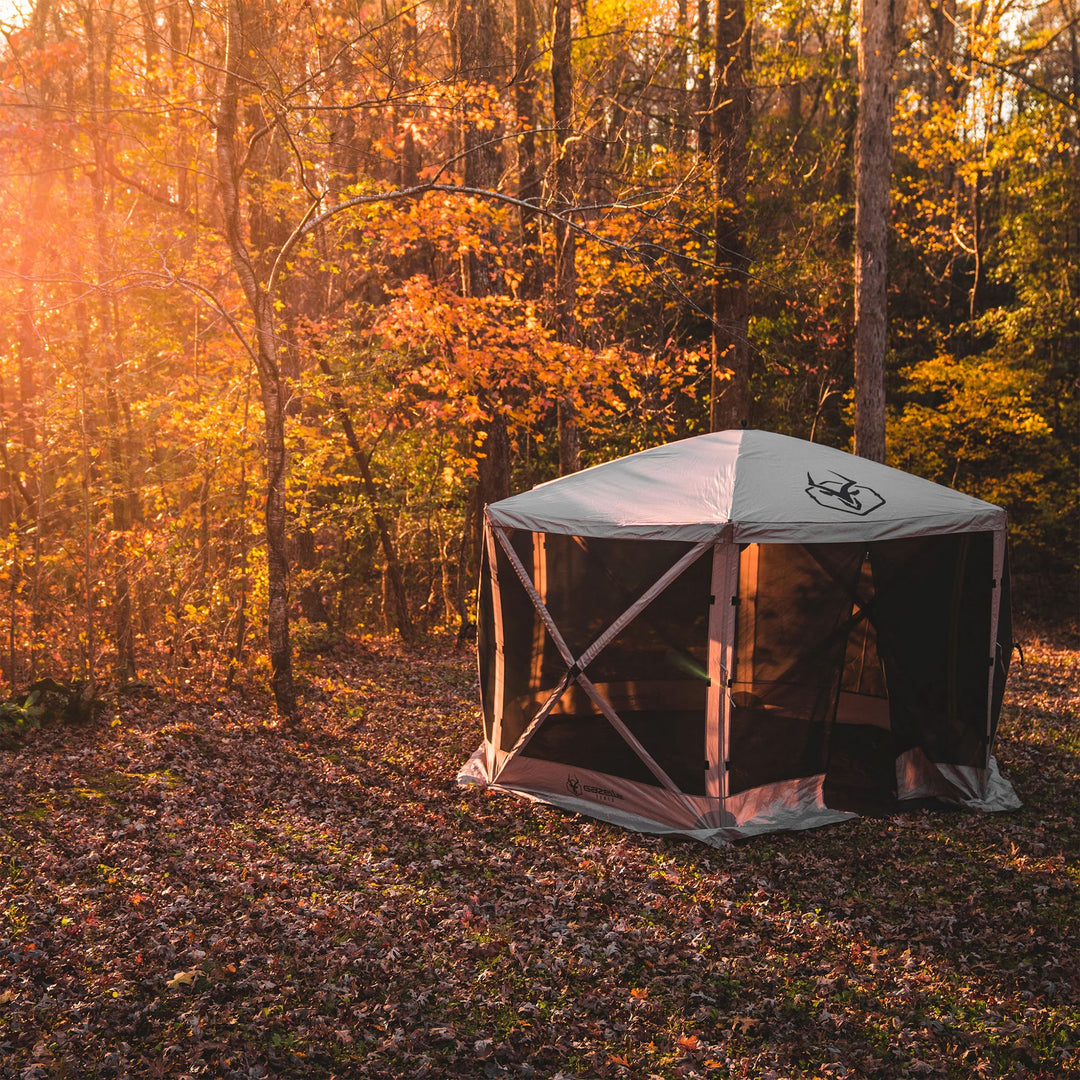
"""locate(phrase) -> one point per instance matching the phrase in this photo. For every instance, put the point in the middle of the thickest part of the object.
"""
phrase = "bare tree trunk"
(269, 371)
(703, 84)
(410, 156)
(98, 67)
(730, 391)
(525, 55)
(562, 100)
(245, 547)
(873, 168)
(683, 53)
(941, 78)
(29, 345)
(793, 103)
(477, 60)
(90, 636)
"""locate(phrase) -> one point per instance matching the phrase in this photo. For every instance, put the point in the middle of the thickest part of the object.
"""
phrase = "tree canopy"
(292, 288)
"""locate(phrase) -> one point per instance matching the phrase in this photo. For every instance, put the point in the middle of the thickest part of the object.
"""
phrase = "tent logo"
(843, 494)
(576, 787)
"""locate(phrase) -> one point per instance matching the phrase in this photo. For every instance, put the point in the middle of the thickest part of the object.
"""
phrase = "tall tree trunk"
(730, 391)
(941, 78)
(704, 83)
(476, 61)
(98, 68)
(943, 97)
(398, 596)
(525, 55)
(28, 337)
(793, 103)
(410, 152)
(562, 100)
(267, 365)
(475, 52)
(682, 56)
(873, 168)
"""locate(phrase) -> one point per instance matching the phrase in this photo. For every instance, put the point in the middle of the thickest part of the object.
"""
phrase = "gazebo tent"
(742, 632)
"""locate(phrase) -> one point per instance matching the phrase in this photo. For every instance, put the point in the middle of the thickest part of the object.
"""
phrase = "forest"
(290, 290)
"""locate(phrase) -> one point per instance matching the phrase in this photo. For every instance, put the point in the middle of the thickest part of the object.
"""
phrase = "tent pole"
(724, 588)
(500, 657)
(995, 613)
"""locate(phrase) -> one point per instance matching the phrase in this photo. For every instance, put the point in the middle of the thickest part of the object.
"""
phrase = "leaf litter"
(188, 890)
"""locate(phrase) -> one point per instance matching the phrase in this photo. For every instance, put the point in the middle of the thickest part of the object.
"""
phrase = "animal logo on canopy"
(844, 494)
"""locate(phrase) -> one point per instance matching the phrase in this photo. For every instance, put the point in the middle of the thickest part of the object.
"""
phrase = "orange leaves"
(476, 351)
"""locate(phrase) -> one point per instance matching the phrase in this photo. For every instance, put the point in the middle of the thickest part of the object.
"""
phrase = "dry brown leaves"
(186, 890)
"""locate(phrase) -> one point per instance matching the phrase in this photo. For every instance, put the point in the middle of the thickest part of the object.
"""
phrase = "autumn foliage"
(288, 290)
(286, 294)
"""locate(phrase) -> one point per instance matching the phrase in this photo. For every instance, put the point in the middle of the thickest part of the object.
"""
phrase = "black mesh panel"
(486, 645)
(861, 767)
(795, 614)
(931, 611)
(653, 674)
(1004, 645)
(528, 681)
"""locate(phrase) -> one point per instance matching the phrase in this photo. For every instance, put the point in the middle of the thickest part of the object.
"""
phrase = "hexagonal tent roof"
(759, 485)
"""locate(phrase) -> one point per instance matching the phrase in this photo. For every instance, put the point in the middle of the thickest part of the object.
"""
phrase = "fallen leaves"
(190, 893)
(183, 978)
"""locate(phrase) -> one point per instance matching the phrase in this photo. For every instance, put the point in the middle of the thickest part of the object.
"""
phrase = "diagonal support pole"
(639, 605)
(575, 668)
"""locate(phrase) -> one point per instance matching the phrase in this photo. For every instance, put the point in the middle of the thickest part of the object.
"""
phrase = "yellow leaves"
(971, 423)
(183, 978)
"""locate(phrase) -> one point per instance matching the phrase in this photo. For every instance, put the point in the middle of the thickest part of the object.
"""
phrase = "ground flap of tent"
(794, 806)
(962, 785)
(474, 771)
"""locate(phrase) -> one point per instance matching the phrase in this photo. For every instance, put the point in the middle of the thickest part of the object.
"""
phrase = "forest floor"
(188, 890)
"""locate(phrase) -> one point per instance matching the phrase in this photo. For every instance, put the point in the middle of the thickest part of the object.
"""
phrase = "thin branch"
(1006, 69)
(297, 235)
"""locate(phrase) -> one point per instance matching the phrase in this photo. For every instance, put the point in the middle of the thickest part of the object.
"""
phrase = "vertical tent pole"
(995, 605)
(723, 587)
(492, 751)
(540, 579)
